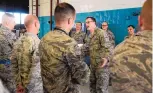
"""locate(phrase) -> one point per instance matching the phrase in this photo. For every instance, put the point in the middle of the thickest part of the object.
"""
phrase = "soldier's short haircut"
(79, 23)
(29, 20)
(131, 26)
(146, 14)
(7, 18)
(105, 22)
(64, 11)
(92, 18)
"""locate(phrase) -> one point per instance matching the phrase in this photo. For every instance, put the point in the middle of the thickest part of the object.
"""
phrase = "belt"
(5, 61)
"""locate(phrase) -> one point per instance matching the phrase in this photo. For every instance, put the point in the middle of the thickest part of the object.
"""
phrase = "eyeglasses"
(89, 22)
(104, 25)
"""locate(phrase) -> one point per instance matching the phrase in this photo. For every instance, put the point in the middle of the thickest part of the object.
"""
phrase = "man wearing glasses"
(110, 35)
(109, 38)
(99, 56)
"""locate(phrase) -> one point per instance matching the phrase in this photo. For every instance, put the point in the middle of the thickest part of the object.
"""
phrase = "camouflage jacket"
(97, 47)
(129, 36)
(7, 38)
(111, 37)
(62, 68)
(131, 65)
(109, 40)
(80, 37)
(26, 63)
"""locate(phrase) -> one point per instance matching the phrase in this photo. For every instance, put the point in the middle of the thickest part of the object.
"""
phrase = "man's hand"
(20, 89)
(104, 62)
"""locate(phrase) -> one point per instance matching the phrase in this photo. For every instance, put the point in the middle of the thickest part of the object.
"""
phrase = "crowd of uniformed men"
(55, 64)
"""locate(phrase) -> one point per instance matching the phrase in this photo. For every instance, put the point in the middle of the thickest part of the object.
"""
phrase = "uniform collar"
(60, 29)
(31, 34)
(5, 28)
(78, 32)
(147, 33)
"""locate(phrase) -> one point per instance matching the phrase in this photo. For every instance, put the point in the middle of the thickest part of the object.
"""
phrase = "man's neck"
(5, 26)
(63, 27)
(77, 31)
(131, 34)
(92, 30)
(105, 29)
(33, 31)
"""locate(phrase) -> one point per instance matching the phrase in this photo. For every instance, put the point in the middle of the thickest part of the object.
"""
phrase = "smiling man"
(131, 31)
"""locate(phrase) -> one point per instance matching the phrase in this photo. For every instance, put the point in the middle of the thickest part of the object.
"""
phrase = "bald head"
(30, 20)
(32, 24)
(146, 15)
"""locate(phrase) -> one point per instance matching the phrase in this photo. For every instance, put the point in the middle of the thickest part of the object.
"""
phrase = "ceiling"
(14, 6)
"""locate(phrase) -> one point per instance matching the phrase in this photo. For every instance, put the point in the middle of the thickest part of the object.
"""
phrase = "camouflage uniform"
(99, 76)
(80, 37)
(126, 37)
(110, 40)
(132, 65)
(26, 63)
(7, 38)
(62, 68)
(110, 43)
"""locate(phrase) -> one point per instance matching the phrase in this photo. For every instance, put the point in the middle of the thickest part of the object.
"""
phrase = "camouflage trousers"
(36, 83)
(6, 76)
(99, 80)
(73, 88)
(35, 86)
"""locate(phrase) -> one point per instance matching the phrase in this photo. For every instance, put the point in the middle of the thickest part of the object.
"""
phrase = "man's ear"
(35, 23)
(7, 23)
(140, 22)
(69, 20)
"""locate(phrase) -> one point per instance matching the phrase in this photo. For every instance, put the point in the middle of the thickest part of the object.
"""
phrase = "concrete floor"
(85, 89)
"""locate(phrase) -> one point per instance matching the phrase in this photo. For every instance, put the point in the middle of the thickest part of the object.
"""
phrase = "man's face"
(71, 22)
(78, 27)
(104, 26)
(12, 24)
(90, 24)
(130, 30)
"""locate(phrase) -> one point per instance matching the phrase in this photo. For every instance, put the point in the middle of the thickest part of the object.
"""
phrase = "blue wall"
(118, 21)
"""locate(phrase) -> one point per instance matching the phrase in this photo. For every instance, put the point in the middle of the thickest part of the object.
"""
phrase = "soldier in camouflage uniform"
(132, 61)
(7, 39)
(62, 68)
(79, 35)
(110, 40)
(25, 59)
(109, 36)
(99, 56)
(81, 38)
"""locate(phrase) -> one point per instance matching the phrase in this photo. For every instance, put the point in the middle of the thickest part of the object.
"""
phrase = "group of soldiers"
(55, 64)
